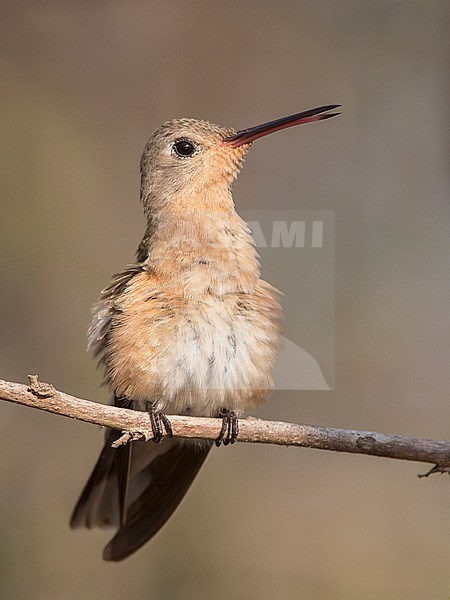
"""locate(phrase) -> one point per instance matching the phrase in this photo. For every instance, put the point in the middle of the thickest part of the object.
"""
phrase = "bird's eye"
(184, 148)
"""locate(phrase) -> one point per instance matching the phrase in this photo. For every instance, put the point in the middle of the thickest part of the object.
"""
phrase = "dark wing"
(158, 477)
(136, 487)
(98, 505)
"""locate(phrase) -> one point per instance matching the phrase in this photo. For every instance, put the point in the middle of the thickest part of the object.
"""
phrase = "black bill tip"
(246, 136)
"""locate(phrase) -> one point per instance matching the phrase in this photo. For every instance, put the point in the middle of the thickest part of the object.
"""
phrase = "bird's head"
(189, 157)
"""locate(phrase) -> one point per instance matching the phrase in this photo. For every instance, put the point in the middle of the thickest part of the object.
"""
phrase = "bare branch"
(136, 424)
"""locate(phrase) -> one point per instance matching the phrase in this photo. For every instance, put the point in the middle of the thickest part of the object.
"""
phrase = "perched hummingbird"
(190, 328)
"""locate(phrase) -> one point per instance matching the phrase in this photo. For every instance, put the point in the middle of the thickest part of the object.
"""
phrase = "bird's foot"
(230, 428)
(159, 423)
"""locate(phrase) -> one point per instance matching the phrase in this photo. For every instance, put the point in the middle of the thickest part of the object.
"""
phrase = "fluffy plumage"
(190, 328)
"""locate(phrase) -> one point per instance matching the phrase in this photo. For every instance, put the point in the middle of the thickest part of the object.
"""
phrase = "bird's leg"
(159, 423)
(230, 427)
(167, 424)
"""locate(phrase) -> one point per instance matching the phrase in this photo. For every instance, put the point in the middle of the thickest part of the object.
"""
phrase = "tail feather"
(168, 478)
(137, 489)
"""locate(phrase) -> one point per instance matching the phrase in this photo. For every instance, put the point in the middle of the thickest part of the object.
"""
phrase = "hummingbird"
(189, 328)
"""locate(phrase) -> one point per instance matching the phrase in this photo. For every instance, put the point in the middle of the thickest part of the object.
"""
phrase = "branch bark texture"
(44, 396)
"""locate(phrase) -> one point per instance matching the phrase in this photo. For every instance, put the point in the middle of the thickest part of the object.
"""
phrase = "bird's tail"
(137, 488)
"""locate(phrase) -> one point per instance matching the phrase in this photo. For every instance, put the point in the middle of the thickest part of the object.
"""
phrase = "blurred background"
(82, 87)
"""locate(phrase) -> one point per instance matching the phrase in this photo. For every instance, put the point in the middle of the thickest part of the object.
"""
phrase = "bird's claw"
(230, 428)
(159, 422)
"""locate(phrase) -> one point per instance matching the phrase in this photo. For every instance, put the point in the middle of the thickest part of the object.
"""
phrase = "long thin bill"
(246, 136)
